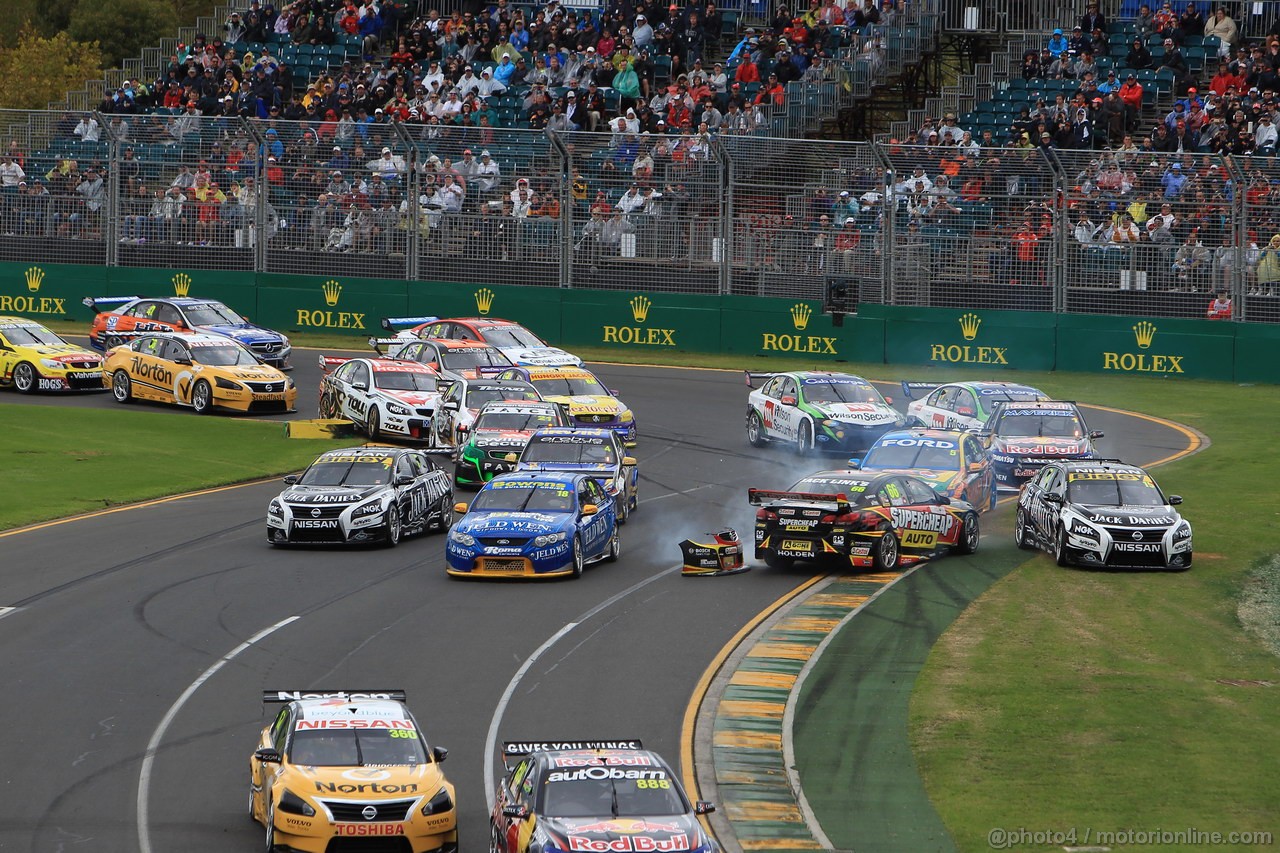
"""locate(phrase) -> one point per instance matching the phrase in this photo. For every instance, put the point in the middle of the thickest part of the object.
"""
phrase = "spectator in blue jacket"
(1058, 42)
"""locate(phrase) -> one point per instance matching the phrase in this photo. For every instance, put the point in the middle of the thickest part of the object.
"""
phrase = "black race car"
(1102, 513)
(360, 495)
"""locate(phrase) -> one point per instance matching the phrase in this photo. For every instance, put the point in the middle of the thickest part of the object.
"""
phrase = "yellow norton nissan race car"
(32, 358)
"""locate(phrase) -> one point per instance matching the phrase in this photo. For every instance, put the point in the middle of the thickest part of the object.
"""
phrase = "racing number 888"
(653, 783)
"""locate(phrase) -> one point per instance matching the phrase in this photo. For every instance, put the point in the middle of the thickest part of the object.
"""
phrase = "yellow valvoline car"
(205, 372)
(349, 770)
(32, 358)
(585, 399)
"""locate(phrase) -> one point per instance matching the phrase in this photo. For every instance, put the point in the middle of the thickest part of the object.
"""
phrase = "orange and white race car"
(343, 766)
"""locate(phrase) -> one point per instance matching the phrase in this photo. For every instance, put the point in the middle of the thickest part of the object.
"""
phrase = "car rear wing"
(395, 324)
(383, 345)
(521, 748)
(836, 503)
(911, 389)
(754, 377)
(98, 304)
(329, 363)
(282, 696)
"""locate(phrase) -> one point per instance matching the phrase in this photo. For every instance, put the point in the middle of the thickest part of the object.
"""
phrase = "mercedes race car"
(349, 770)
(534, 526)
(360, 495)
(598, 452)
(462, 399)
(497, 437)
(1102, 513)
(1023, 437)
(593, 797)
(134, 315)
(387, 397)
(453, 359)
(586, 399)
(963, 405)
(861, 519)
(954, 463)
(204, 372)
(32, 358)
(517, 343)
(818, 411)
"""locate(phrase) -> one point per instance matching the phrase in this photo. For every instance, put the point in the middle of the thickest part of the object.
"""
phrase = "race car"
(135, 315)
(597, 452)
(32, 358)
(495, 440)
(361, 495)
(349, 770)
(1102, 513)
(587, 400)
(462, 399)
(954, 463)
(884, 521)
(534, 526)
(386, 397)
(454, 359)
(1022, 437)
(517, 343)
(963, 405)
(204, 372)
(818, 411)
(606, 796)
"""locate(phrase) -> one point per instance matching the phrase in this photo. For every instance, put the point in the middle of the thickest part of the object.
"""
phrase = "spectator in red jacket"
(1220, 307)
(1131, 94)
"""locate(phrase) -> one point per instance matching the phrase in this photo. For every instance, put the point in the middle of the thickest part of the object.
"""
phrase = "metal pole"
(111, 215)
(563, 154)
(412, 262)
(726, 207)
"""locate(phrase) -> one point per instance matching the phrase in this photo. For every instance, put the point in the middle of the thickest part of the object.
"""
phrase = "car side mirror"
(460, 507)
(1052, 498)
(703, 807)
(590, 509)
(439, 753)
(855, 463)
(943, 500)
(433, 365)
(360, 385)
(450, 405)
(511, 457)
(183, 361)
(788, 400)
(629, 460)
(518, 812)
(889, 400)
(1097, 433)
(1174, 500)
(404, 479)
(613, 392)
(975, 467)
(964, 412)
(291, 479)
(268, 755)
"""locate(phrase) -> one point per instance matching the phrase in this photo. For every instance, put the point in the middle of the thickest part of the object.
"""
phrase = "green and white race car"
(818, 411)
(963, 405)
(494, 442)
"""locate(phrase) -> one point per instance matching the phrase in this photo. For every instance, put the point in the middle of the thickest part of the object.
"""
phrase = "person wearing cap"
(1131, 95)
(489, 85)
(1139, 57)
(390, 166)
(1177, 63)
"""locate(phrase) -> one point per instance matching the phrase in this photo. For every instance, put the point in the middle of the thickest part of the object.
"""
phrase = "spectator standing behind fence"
(1220, 307)
(1269, 268)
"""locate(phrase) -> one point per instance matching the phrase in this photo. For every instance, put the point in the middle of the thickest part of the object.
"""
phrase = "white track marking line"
(7, 611)
(153, 746)
(491, 739)
(666, 495)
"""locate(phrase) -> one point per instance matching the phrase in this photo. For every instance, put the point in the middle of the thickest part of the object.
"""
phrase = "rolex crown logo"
(332, 290)
(1145, 333)
(969, 324)
(800, 314)
(35, 278)
(484, 300)
(640, 306)
(181, 284)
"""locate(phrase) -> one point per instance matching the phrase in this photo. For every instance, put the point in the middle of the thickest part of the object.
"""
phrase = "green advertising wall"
(1156, 346)
(990, 340)
(1256, 348)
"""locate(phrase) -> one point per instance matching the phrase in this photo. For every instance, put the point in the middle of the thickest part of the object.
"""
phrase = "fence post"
(725, 191)
(566, 171)
(412, 186)
(263, 200)
(1239, 239)
(887, 212)
(111, 216)
(1058, 265)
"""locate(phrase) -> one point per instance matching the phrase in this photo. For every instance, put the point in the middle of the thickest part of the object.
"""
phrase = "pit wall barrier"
(984, 340)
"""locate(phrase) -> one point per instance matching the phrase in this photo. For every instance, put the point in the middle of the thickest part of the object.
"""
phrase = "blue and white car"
(525, 525)
(598, 452)
(516, 342)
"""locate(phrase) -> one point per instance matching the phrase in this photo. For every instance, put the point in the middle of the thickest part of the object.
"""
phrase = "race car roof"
(399, 365)
(191, 339)
(1113, 466)
(816, 376)
(452, 344)
(552, 480)
(322, 710)
(841, 477)
(17, 321)
(521, 407)
(586, 434)
(998, 386)
(1042, 405)
(558, 372)
(376, 452)
(925, 432)
(484, 322)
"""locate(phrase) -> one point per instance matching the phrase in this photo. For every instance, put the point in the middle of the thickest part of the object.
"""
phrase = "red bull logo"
(629, 844)
(625, 826)
(589, 760)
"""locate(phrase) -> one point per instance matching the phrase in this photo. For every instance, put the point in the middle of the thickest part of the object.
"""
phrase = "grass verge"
(59, 464)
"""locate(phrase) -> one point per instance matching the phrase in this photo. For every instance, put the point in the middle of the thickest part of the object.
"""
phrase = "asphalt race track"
(133, 703)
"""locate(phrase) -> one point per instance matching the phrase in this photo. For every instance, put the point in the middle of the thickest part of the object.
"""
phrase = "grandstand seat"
(305, 50)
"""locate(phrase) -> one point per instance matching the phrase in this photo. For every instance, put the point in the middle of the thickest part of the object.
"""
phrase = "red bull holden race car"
(1024, 437)
(593, 797)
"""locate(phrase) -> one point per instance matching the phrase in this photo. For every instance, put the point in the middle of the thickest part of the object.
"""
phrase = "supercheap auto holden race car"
(818, 411)
(588, 401)
(954, 463)
(963, 405)
(1102, 513)
(32, 358)
(454, 359)
(361, 494)
(598, 452)
(387, 397)
(347, 770)
(462, 399)
(204, 372)
(135, 315)
(593, 797)
(862, 519)
(517, 343)
(534, 525)
(1023, 437)
(497, 437)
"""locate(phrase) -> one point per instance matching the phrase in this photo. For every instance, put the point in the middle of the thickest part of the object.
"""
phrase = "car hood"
(245, 333)
(625, 834)
(61, 352)
(859, 413)
(372, 783)
(412, 398)
(1041, 445)
(541, 356)
(327, 495)
(260, 373)
(591, 404)
(938, 479)
(518, 523)
(1129, 516)
(599, 469)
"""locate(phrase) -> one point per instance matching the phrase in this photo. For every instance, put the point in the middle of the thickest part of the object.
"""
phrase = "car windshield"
(404, 380)
(1018, 394)
(569, 386)
(841, 391)
(356, 471)
(1058, 423)
(511, 336)
(558, 448)
(517, 421)
(855, 491)
(212, 314)
(29, 334)
(356, 747)
(465, 359)
(1114, 490)
(224, 355)
(582, 796)
(526, 497)
(917, 453)
(478, 396)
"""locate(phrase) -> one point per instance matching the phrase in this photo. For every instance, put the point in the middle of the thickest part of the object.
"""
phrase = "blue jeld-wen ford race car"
(534, 526)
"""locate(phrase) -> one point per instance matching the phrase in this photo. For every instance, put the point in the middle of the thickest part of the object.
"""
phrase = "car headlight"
(373, 507)
(625, 416)
(284, 341)
(227, 383)
(548, 539)
(291, 803)
(540, 841)
(274, 508)
(1182, 531)
(462, 538)
(1079, 529)
(288, 384)
(439, 804)
(830, 423)
(51, 364)
(397, 409)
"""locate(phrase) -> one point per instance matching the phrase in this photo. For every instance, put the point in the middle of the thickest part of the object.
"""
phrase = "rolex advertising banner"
(1155, 346)
(345, 306)
(50, 293)
(973, 338)
(237, 289)
(768, 327)
(640, 322)
(537, 308)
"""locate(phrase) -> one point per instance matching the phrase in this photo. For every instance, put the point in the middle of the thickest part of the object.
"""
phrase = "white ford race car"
(818, 411)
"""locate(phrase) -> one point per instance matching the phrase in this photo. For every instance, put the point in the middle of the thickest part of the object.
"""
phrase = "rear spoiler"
(378, 343)
(393, 324)
(909, 389)
(282, 696)
(753, 377)
(518, 749)
(98, 304)
(760, 497)
(329, 362)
